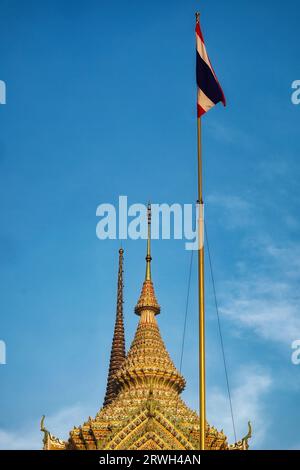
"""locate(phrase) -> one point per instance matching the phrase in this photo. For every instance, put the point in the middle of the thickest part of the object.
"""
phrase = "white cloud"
(265, 297)
(248, 400)
(30, 437)
(233, 211)
(23, 440)
(287, 257)
(267, 307)
(261, 299)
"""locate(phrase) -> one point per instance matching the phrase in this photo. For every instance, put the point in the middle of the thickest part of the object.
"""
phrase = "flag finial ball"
(197, 14)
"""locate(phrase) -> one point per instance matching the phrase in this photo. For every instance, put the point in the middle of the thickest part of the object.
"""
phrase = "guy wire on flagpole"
(220, 330)
(202, 398)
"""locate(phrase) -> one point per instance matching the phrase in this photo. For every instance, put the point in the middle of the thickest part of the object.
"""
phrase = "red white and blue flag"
(209, 89)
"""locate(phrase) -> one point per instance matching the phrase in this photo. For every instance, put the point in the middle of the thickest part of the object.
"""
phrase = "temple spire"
(117, 354)
(147, 301)
(148, 256)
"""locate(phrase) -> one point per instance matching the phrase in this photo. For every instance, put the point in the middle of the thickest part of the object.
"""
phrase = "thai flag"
(209, 89)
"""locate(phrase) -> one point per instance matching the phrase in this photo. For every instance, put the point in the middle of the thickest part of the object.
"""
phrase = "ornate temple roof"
(142, 407)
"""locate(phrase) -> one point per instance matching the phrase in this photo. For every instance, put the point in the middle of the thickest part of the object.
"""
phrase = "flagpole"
(201, 292)
(202, 397)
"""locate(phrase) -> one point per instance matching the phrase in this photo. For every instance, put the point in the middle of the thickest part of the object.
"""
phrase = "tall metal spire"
(147, 300)
(148, 256)
(117, 354)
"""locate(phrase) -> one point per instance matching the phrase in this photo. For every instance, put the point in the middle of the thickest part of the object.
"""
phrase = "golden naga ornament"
(142, 408)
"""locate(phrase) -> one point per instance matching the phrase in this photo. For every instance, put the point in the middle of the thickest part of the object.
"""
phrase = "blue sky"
(101, 103)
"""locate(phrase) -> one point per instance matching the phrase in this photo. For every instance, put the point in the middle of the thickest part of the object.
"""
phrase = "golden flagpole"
(202, 385)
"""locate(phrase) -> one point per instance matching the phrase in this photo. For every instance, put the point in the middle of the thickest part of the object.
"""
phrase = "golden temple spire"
(148, 366)
(147, 300)
(117, 354)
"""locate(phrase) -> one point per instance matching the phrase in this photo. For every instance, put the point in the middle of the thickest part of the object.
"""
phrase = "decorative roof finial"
(117, 354)
(147, 300)
(148, 256)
